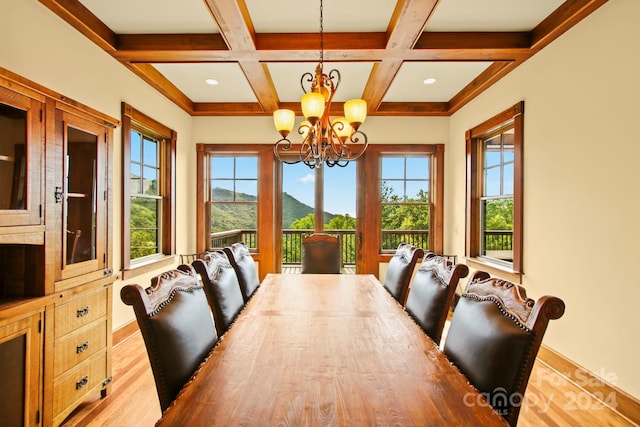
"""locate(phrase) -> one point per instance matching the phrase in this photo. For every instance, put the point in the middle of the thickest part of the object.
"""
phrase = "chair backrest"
(321, 254)
(431, 293)
(221, 287)
(494, 337)
(400, 269)
(177, 328)
(245, 268)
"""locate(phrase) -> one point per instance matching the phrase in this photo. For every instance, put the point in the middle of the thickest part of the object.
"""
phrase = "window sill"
(495, 269)
(141, 268)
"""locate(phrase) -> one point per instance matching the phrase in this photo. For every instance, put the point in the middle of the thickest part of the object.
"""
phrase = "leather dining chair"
(221, 287)
(400, 269)
(321, 254)
(431, 293)
(245, 267)
(494, 337)
(177, 328)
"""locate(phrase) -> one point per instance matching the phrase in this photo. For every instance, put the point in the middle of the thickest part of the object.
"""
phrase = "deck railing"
(292, 241)
(499, 244)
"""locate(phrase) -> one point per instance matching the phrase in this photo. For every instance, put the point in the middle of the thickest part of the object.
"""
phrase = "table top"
(326, 350)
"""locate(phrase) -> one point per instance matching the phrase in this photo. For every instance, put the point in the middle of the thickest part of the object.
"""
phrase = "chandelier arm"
(283, 145)
(334, 77)
(355, 139)
(309, 78)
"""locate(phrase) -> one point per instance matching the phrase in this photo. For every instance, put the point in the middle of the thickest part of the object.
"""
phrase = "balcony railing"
(498, 244)
(225, 238)
(292, 241)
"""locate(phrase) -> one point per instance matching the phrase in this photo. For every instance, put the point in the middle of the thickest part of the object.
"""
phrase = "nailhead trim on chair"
(171, 295)
(500, 307)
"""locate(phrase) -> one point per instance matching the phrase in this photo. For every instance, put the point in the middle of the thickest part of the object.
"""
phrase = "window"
(148, 190)
(494, 193)
(236, 200)
(232, 202)
(404, 190)
(400, 195)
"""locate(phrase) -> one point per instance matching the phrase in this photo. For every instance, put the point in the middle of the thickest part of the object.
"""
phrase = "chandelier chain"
(321, 35)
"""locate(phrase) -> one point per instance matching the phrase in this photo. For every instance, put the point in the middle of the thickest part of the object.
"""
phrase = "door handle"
(58, 194)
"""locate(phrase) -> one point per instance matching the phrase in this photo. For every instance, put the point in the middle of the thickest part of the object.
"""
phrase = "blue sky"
(340, 186)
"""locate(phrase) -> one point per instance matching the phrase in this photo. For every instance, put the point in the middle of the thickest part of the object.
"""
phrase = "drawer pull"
(83, 382)
(82, 311)
(82, 347)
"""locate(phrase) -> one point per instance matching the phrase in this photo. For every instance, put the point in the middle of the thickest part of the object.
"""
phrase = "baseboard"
(124, 332)
(623, 403)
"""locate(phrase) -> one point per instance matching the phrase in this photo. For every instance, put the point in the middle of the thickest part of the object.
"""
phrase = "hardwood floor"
(133, 402)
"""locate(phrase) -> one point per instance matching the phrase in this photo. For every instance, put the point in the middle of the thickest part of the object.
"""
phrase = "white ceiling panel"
(450, 77)
(286, 78)
(490, 15)
(153, 16)
(303, 16)
(190, 79)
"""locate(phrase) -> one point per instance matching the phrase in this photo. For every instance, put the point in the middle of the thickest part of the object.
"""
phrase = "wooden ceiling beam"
(559, 21)
(412, 109)
(405, 27)
(236, 28)
(489, 76)
(407, 109)
(228, 109)
(339, 47)
(152, 76)
(81, 18)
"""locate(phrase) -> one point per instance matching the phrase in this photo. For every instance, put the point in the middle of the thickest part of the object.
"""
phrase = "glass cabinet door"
(21, 132)
(82, 194)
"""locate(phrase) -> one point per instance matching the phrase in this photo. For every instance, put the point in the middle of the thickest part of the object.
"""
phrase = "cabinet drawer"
(75, 384)
(78, 346)
(79, 312)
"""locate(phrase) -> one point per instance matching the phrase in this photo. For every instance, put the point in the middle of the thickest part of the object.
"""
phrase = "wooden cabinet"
(79, 186)
(55, 262)
(77, 221)
(21, 341)
(82, 343)
(21, 142)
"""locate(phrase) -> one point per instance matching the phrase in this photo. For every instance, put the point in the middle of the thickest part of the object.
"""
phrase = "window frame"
(405, 180)
(370, 175)
(209, 203)
(133, 119)
(266, 239)
(512, 117)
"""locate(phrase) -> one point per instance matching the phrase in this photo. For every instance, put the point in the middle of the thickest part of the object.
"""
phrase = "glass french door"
(318, 200)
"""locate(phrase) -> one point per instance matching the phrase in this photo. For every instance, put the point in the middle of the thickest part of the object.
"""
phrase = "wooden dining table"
(327, 350)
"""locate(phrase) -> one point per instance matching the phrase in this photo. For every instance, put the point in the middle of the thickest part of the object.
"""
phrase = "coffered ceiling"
(258, 50)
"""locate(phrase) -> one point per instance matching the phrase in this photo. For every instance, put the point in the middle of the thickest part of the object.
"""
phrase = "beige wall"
(581, 151)
(581, 97)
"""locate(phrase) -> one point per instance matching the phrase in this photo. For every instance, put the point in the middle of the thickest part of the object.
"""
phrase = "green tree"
(341, 222)
(499, 214)
(304, 223)
(143, 225)
(400, 213)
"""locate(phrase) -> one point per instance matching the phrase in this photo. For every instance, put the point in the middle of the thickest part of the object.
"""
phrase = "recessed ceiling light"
(211, 82)
(429, 81)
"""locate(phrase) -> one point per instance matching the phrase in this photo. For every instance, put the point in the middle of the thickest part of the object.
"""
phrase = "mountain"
(243, 216)
(293, 209)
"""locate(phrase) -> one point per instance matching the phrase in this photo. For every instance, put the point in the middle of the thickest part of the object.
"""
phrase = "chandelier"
(324, 140)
